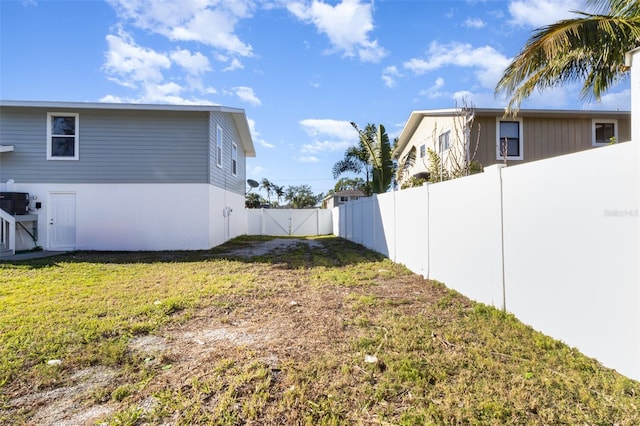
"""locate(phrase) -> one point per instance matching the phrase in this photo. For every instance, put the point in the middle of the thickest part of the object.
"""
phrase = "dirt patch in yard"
(326, 332)
(274, 247)
(287, 323)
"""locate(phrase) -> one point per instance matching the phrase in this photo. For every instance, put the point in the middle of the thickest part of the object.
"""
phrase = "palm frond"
(588, 49)
(406, 163)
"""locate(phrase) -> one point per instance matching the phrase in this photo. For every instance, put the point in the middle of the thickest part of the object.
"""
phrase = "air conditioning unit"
(14, 202)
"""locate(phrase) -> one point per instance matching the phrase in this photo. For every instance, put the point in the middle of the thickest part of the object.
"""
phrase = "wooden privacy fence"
(555, 242)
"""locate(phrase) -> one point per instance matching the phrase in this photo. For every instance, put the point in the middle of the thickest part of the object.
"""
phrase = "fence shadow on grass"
(285, 252)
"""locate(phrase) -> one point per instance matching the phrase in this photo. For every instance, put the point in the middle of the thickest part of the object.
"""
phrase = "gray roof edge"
(523, 111)
(119, 106)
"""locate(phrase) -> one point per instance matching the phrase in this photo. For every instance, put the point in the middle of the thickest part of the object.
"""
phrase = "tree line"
(295, 196)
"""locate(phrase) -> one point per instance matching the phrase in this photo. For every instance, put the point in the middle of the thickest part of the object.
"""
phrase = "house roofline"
(238, 114)
(416, 117)
(115, 105)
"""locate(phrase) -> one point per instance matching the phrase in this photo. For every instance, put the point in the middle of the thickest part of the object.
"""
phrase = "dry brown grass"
(327, 333)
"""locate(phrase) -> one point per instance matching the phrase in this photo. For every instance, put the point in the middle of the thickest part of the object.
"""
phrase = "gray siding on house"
(126, 146)
(222, 176)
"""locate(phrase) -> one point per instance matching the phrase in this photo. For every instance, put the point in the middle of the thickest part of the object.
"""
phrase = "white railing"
(7, 234)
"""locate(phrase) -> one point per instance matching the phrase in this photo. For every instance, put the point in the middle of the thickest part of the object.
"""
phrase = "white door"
(62, 220)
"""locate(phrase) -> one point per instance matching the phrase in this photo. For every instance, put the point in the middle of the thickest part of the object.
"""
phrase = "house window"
(423, 150)
(344, 199)
(444, 140)
(604, 132)
(509, 139)
(234, 159)
(62, 136)
(219, 146)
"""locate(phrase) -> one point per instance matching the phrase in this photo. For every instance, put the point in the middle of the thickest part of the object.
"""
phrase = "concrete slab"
(31, 255)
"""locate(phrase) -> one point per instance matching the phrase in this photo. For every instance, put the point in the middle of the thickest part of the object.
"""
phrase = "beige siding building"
(531, 135)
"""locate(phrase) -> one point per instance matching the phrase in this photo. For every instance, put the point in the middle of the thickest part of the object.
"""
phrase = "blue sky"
(301, 69)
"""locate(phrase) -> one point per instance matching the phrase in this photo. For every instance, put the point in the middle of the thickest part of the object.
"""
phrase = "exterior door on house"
(62, 220)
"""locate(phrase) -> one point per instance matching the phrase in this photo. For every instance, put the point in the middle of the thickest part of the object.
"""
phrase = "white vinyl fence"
(298, 222)
(555, 242)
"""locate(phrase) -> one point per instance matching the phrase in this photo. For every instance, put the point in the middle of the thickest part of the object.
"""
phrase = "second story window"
(444, 141)
(604, 132)
(62, 136)
(423, 150)
(509, 140)
(219, 146)
(234, 159)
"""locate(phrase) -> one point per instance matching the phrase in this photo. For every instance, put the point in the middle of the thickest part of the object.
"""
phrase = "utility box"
(14, 203)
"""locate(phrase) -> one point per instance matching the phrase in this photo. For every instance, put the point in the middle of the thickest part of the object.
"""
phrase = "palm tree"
(356, 160)
(279, 191)
(268, 187)
(372, 155)
(376, 142)
(588, 49)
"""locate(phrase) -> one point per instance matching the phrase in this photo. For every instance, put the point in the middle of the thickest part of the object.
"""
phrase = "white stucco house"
(99, 176)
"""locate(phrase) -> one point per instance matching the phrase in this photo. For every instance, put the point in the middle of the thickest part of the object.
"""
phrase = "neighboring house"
(122, 176)
(531, 135)
(341, 197)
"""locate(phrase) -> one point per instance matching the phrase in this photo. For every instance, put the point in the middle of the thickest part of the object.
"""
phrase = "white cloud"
(347, 25)
(210, 23)
(308, 159)
(235, 64)
(434, 91)
(481, 99)
(153, 94)
(325, 126)
(326, 146)
(389, 75)
(538, 13)
(246, 94)
(488, 63)
(328, 135)
(255, 135)
(129, 64)
(612, 101)
(474, 23)
(194, 64)
(256, 171)
(169, 90)
(112, 99)
(142, 68)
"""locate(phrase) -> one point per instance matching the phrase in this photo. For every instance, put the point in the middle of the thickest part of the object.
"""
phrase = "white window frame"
(234, 159)
(76, 136)
(423, 150)
(440, 137)
(218, 146)
(520, 139)
(603, 121)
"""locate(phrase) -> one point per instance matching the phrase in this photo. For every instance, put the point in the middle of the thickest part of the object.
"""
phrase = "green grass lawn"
(312, 335)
